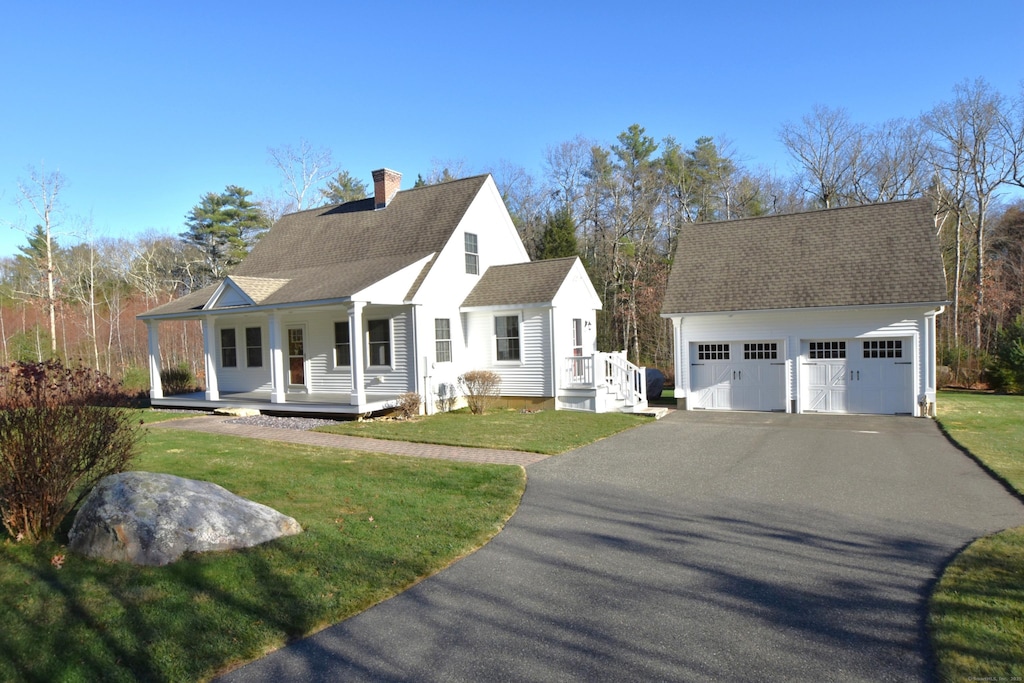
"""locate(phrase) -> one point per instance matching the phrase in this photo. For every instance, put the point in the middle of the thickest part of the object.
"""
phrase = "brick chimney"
(385, 184)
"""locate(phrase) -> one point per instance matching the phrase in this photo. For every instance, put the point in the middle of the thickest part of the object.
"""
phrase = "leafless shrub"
(61, 431)
(481, 388)
(409, 405)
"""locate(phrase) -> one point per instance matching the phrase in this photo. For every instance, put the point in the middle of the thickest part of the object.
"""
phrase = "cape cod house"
(826, 311)
(343, 308)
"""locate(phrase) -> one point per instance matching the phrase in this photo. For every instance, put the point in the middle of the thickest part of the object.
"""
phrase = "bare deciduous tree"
(828, 147)
(974, 154)
(41, 192)
(303, 167)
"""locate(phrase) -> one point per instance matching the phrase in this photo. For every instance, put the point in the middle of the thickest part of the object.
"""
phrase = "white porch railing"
(610, 371)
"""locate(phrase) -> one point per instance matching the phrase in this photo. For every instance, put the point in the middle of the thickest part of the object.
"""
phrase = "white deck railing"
(610, 371)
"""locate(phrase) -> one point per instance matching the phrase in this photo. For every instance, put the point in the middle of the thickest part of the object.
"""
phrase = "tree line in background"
(623, 207)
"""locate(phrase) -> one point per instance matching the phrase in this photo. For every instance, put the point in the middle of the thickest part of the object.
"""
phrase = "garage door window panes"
(761, 351)
(712, 352)
(828, 349)
(883, 348)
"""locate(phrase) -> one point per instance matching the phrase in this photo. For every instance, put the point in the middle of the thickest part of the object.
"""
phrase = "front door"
(296, 357)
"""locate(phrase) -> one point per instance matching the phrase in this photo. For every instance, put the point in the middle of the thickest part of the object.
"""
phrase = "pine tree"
(559, 237)
(224, 227)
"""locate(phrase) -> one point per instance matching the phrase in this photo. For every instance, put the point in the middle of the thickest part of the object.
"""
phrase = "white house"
(343, 308)
(826, 311)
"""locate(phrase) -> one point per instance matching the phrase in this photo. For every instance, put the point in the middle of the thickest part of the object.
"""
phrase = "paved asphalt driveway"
(702, 547)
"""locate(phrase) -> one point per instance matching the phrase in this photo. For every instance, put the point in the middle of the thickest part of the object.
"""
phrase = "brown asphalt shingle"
(524, 284)
(875, 254)
(335, 251)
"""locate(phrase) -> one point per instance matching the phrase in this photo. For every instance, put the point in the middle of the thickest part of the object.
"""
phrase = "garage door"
(858, 376)
(738, 376)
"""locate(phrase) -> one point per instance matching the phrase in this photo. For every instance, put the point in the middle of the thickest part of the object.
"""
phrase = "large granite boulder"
(153, 519)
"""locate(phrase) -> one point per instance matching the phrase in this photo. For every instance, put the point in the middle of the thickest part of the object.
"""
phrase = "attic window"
(472, 255)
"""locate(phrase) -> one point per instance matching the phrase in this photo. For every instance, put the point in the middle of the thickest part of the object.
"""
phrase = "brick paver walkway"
(219, 424)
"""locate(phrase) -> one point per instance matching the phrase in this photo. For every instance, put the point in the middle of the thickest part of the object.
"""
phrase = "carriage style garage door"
(738, 375)
(857, 376)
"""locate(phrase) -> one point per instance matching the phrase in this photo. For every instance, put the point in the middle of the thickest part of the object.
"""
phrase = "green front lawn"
(374, 524)
(546, 431)
(976, 612)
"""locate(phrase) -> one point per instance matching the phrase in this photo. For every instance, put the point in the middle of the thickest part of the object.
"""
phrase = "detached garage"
(826, 311)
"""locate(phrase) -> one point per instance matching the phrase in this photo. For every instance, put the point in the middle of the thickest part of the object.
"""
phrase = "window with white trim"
(472, 254)
(506, 334)
(253, 347)
(883, 348)
(380, 341)
(228, 348)
(443, 340)
(342, 346)
(712, 352)
(761, 351)
(828, 349)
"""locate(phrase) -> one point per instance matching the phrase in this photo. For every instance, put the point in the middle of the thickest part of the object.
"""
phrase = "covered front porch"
(326, 403)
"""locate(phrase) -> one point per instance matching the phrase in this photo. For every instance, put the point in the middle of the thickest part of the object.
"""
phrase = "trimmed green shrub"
(61, 431)
(178, 380)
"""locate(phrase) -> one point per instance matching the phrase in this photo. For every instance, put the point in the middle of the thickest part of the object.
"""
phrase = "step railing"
(611, 371)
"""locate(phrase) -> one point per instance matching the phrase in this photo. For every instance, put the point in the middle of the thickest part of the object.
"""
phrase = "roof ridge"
(809, 212)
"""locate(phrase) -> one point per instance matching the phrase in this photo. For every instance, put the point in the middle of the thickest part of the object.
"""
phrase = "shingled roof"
(876, 254)
(332, 252)
(522, 284)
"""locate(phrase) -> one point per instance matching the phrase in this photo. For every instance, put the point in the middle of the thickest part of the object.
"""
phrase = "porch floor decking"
(322, 403)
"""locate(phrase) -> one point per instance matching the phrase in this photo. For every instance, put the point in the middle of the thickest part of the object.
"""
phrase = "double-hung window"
(254, 347)
(472, 255)
(380, 341)
(506, 334)
(342, 346)
(443, 340)
(228, 348)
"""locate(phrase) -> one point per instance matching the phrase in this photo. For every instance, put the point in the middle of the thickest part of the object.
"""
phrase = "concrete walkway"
(220, 424)
(702, 547)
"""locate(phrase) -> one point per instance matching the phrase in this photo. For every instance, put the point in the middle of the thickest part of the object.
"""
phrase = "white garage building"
(826, 311)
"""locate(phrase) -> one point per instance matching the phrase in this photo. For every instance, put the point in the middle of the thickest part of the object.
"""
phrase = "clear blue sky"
(144, 107)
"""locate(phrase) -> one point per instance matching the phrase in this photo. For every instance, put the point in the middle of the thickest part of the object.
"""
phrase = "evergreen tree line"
(622, 206)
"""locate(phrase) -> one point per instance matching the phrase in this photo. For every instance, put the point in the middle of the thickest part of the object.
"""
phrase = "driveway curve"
(704, 546)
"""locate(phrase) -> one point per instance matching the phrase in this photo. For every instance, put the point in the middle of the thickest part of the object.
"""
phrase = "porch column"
(355, 327)
(277, 378)
(682, 378)
(156, 389)
(210, 359)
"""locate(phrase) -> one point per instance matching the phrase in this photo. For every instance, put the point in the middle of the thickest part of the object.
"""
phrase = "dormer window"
(472, 255)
